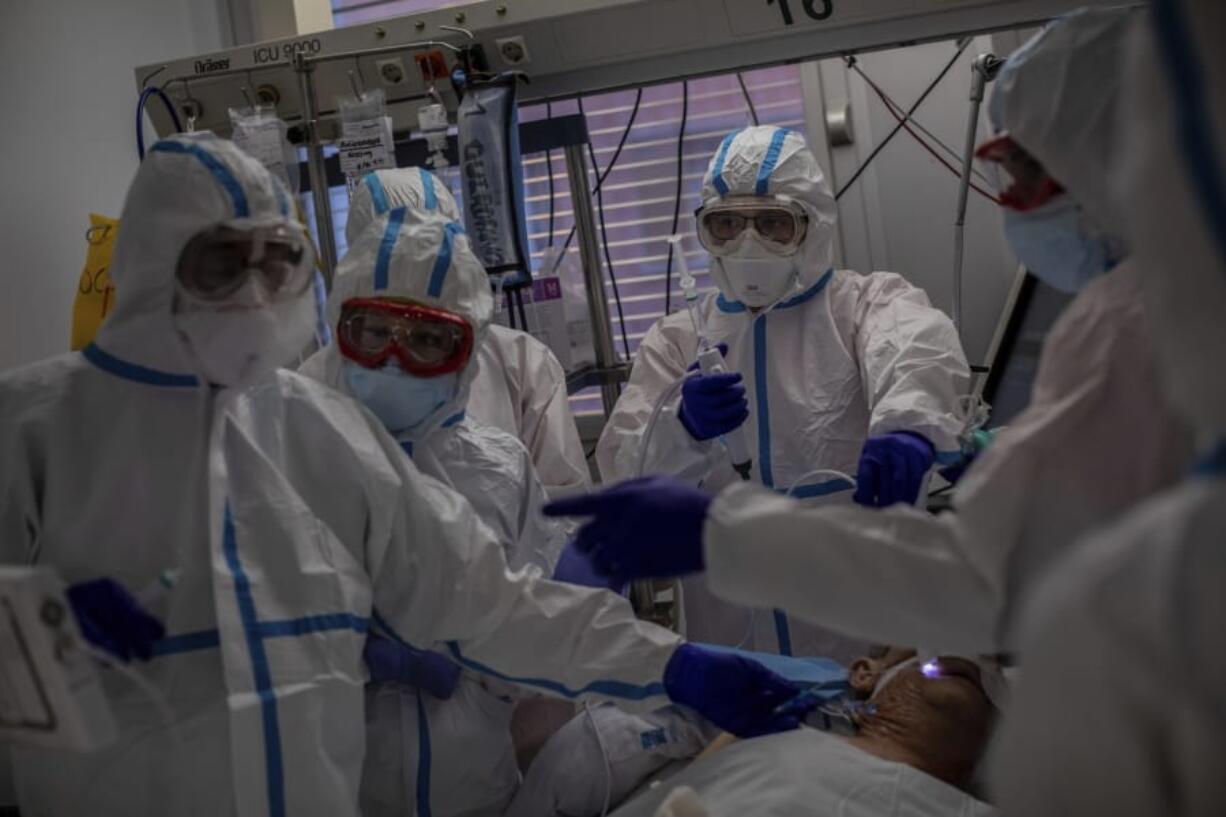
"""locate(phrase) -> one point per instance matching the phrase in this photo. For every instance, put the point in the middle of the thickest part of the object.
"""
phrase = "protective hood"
(428, 261)
(416, 189)
(1173, 182)
(185, 184)
(766, 161)
(1058, 97)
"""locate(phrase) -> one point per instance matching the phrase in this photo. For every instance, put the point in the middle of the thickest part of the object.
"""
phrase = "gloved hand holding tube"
(713, 403)
(735, 693)
(892, 469)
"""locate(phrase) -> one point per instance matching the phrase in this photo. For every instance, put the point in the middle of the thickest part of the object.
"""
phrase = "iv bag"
(492, 178)
(259, 133)
(366, 136)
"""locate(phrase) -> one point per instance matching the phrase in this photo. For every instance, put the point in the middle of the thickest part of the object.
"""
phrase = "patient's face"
(954, 692)
(946, 712)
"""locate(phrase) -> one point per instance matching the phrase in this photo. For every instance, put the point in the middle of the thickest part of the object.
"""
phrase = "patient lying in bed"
(912, 753)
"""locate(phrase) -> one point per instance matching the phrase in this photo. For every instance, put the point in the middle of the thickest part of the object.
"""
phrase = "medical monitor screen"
(1011, 379)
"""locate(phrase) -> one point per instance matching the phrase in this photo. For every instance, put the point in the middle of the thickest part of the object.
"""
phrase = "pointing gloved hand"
(643, 528)
(892, 469)
(389, 661)
(712, 404)
(735, 693)
(113, 621)
(575, 567)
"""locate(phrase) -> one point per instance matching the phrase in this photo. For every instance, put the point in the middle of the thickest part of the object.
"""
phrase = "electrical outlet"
(513, 50)
(391, 70)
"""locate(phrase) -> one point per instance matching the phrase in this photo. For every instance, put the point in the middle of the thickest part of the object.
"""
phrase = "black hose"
(634, 113)
(753, 113)
(604, 240)
(523, 316)
(931, 87)
(549, 171)
(685, 115)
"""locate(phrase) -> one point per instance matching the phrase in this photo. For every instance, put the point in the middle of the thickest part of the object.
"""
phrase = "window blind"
(639, 193)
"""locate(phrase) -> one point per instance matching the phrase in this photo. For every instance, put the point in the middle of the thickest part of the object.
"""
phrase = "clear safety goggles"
(778, 222)
(1030, 186)
(423, 341)
(275, 254)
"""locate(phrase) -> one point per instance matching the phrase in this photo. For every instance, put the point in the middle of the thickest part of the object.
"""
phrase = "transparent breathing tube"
(649, 430)
(819, 472)
(689, 289)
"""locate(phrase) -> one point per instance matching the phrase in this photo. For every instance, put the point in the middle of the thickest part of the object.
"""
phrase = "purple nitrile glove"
(428, 671)
(643, 528)
(892, 468)
(575, 567)
(712, 404)
(113, 621)
(735, 693)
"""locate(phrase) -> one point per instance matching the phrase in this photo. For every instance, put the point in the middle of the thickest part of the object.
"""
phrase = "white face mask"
(240, 345)
(758, 277)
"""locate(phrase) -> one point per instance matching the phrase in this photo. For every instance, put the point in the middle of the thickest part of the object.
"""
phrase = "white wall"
(899, 216)
(68, 145)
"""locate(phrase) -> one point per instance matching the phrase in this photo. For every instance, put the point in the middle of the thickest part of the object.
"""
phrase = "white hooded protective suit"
(841, 357)
(1120, 708)
(1095, 439)
(519, 386)
(288, 516)
(470, 765)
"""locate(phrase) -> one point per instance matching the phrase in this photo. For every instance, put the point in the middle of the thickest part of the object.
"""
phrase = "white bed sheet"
(807, 773)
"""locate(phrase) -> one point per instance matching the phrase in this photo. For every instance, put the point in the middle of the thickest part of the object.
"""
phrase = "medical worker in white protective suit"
(519, 386)
(410, 304)
(1121, 708)
(277, 517)
(828, 369)
(1095, 439)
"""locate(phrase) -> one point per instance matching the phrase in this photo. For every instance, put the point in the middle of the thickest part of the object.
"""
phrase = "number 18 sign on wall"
(759, 16)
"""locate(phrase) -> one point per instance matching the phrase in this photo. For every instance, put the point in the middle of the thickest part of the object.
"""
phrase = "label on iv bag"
(548, 320)
(366, 145)
(559, 321)
(264, 142)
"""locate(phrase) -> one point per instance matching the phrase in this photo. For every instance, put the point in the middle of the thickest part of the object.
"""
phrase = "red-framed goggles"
(1031, 186)
(424, 341)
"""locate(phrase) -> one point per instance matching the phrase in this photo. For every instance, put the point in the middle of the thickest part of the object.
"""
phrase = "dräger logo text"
(208, 65)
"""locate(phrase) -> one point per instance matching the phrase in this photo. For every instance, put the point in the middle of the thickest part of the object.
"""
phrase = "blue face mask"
(397, 398)
(1059, 245)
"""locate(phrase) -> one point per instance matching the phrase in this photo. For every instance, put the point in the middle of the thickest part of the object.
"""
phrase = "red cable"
(889, 106)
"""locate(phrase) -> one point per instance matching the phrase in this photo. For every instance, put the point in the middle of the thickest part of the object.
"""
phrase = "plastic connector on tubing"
(711, 361)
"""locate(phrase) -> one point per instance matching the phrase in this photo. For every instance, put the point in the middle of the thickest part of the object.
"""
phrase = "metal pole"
(593, 276)
(983, 69)
(315, 167)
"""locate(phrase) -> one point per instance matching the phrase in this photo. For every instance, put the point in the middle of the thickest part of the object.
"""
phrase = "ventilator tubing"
(711, 361)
